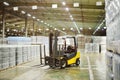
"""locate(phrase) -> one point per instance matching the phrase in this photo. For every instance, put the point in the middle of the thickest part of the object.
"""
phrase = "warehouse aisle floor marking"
(90, 69)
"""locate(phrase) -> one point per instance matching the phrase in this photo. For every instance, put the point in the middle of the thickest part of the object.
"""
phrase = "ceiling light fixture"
(45, 23)
(47, 29)
(15, 8)
(105, 27)
(70, 16)
(67, 9)
(81, 28)
(55, 29)
(54, 5)
(29, 15)
(99, 3)
(41, 21)
(99, 26)
(31, 29)
(76, 27)
(33, 17)
(89, 27)
(5, 3)
(38, 19)
(48, 24)
(23, 12)
(39, 29)
(71, 28)
(8, 30)
(34, 7)
(63, 29)
(64, 3)
(76, 4)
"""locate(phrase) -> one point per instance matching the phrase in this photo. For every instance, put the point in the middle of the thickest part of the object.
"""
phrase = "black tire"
(77, 62)
(63, 63)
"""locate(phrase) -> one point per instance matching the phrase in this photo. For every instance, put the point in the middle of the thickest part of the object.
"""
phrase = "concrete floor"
(92, 67)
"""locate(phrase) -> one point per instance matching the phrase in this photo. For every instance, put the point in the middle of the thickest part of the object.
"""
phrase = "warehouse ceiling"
(66, 16)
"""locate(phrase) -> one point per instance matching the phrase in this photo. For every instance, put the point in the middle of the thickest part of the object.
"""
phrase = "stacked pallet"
(113, 36)
(91, 48)
(12, 55)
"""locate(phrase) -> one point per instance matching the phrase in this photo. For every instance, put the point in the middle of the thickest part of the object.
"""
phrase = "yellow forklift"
(62, 55)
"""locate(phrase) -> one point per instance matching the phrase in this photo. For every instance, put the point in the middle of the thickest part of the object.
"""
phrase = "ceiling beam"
(70, 5)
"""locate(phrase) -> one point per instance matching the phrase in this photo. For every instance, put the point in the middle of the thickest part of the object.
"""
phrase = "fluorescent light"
(63, 29)
(29, 15)
(70, 16)
(39, 29)
(47, 29)
(89, 27)
(75, 4)
(98, 27)
(8, 30)
(48, 24)
(54, 5)
(31, 29)
(41, 21)
(64, 3)
(34, 7)
(5, 3)
(45, 23)
(23, 12)
(15, 8)
(98, 3)
(71, 28)
(105, 27)
(67, 9)
(76, 27)
(55, 29)
(81, 28)
(38, 19)
(33, 17)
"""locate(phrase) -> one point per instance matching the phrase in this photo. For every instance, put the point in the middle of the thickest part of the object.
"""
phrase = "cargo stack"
(12, 55)
(113, 36)
(4, 57)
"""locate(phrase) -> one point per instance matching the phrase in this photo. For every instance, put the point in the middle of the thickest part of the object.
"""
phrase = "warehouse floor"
(92, 67)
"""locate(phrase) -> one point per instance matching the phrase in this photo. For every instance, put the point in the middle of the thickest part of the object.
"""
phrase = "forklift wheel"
(63, 63)
(77, 62)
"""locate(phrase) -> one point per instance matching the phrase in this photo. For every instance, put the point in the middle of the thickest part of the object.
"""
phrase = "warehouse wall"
(113, 39)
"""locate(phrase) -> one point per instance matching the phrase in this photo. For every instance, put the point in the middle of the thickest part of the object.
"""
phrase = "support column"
(26, 27)
(3, 24)
(33, 27)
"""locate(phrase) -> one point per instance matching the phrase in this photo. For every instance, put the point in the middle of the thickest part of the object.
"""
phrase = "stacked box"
(5, 57)
(19, 53)
(116, 67)
(32, 52)
(38, 50)
(88, 48)
(25, 53)
(12, 56)
(109, 66)
(91, 48)
(29, 53)
(0, 60)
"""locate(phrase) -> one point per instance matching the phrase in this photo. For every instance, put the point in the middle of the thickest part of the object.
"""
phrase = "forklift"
(62, 55)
